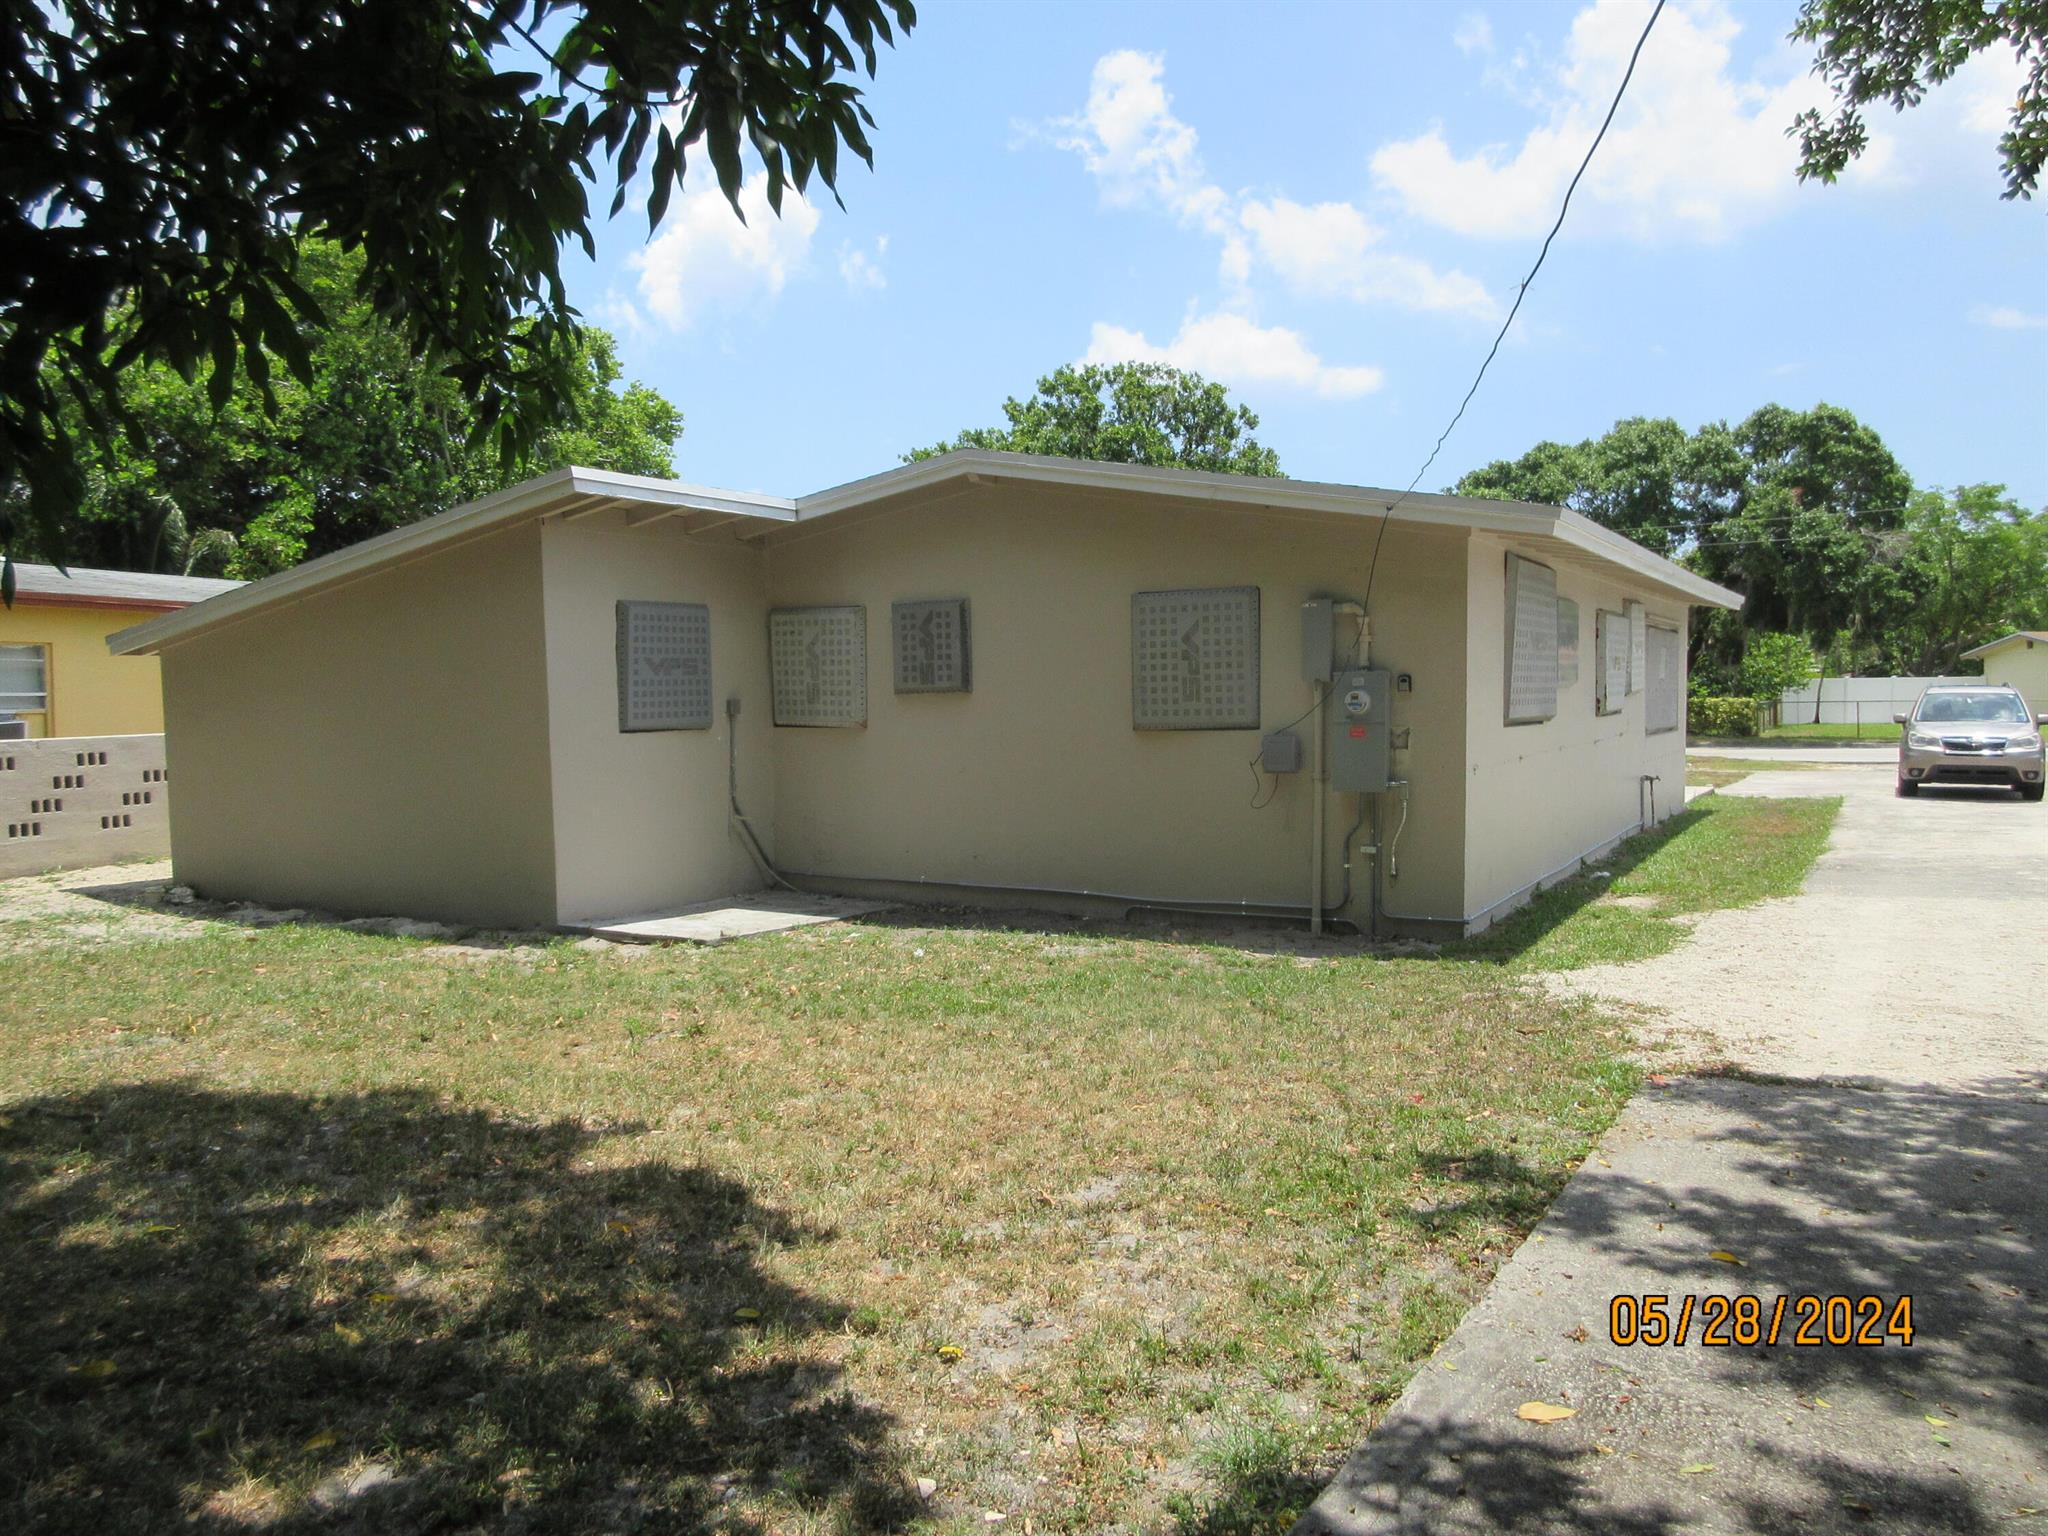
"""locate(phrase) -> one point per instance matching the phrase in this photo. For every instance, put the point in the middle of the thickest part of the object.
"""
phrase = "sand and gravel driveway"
(1877, 1126)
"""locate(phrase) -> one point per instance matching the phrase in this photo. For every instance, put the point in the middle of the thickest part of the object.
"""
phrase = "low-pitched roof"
(2036, 636)
(574, 493)
(114, 589)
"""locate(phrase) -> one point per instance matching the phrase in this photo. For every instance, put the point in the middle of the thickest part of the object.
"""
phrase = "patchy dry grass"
(880, 1227)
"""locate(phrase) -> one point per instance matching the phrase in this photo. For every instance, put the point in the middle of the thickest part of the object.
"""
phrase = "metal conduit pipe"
(1225, 907)
(1533, 885)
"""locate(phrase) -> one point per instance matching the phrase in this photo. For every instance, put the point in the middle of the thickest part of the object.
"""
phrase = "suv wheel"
(2032, 791)
(1908, 788)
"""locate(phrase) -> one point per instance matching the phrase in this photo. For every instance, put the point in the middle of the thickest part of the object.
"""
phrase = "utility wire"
(1520, 294)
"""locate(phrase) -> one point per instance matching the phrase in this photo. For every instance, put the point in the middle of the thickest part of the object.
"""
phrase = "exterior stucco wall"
(1539, 797)
(381, 747)
(641, 820)
(1036, 780)
(92, 693)
(2023, 665)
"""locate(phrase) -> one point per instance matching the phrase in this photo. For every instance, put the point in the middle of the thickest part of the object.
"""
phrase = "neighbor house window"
(25, 680)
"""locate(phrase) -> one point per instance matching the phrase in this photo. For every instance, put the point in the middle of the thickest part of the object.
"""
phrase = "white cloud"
(1230, 348)
(1143, 156)
(1695, 152)
(1474, 34)
(705, 258)
(1328, 249)
(1134, 146)
(862, 272)
(2004, 317)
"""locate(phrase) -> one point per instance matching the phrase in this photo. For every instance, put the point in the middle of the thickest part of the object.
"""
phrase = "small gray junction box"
(1361, 730)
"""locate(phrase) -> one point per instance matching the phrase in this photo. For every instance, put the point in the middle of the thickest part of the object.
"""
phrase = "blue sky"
(1328, 207)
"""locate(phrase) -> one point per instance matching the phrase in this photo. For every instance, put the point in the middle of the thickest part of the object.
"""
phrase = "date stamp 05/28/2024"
(1714, 1320)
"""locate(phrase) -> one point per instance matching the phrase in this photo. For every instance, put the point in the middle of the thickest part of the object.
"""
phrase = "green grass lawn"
(1876, 731)
(1872, 732)
(876, 1227)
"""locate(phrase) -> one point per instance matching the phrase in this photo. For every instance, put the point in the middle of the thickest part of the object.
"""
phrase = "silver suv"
(1977, 735)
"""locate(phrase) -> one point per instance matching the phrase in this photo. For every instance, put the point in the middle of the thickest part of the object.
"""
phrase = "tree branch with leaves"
(161, 161)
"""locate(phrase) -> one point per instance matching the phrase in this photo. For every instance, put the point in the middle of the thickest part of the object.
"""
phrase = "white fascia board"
(1617, 549)
(499, 509)
(1524, 519)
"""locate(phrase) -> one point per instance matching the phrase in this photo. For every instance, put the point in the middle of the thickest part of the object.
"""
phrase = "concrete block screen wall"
(443, 732)
(70, 802)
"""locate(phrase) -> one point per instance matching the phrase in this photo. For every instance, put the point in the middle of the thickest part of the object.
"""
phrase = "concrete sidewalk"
(1884, 1160)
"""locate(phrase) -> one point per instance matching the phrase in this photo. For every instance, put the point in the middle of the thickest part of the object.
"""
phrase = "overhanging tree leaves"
(1126, 413)
(1897, 50)
(160, 161)
(376, 438)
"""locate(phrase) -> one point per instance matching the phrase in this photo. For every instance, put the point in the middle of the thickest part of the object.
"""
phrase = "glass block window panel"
(1195, 660)
(931, 646)
(664, 667)
(1567, 643)
(818, 665)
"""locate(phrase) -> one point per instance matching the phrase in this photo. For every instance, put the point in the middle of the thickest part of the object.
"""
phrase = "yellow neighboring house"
(2019, 660)
(56, 673)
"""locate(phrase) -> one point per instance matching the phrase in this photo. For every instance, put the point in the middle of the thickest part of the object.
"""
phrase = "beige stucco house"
(985, 678)
(2019, 660)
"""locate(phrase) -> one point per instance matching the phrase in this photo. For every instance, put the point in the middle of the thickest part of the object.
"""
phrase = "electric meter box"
(1361, 730)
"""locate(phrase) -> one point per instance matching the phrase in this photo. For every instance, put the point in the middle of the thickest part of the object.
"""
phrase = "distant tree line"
(1811, 517)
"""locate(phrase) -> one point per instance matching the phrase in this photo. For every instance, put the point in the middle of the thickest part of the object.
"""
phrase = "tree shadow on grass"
(378, 1312)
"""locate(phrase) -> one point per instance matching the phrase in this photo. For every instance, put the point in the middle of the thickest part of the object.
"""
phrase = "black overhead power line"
(1520, 294)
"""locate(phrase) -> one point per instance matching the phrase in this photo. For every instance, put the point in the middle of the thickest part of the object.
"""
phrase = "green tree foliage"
(1896, 50)
(373, 439)
(1811, 517)
(1974, 567)
(1126, 413)
(160, 162)
(1773, 663)
(1638, 480)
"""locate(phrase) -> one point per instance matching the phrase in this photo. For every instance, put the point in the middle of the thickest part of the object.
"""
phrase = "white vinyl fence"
(68, 802)
(1853, 700)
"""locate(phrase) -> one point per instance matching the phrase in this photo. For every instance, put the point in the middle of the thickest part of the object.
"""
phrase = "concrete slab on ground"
(733, 917)
(1875, 1127)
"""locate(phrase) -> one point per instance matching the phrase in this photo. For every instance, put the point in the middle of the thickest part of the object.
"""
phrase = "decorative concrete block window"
(25, 682)
(818, 665)
(931, 646)
(1195, 659)
(664, 654)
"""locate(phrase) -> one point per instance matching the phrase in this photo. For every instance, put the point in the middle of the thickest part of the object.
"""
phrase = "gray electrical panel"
(1361, 730)
(1318, 639)
(1280, 752)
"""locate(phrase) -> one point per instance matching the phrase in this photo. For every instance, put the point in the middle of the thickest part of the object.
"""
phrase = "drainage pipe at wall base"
(1520, 891)
(1226, 907)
